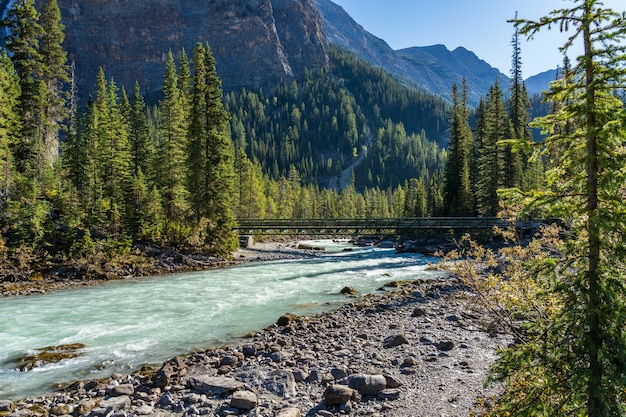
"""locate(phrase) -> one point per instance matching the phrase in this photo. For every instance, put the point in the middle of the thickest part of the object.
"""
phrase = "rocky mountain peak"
(253, 41)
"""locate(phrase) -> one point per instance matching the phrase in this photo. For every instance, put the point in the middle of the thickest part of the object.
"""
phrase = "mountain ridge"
(256, 43)
(432, 68)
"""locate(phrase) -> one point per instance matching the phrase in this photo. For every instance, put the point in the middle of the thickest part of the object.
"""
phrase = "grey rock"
(60, 410)
(393, 381)
(286, 319)
(113, 404)
(280, 383)
(6, 406)
(397, 340)
(124, 389)
(418, 312)
(389, 394)
(249, 350)
(367, 384)
(144, 410)
(339, 373)
(84, 407)
(214, 385)
(24, 412)
(289, 412)
(116, 403)
(244, 400)
(410, 361)
(300, 375)
(167, 401)
(338, 394)
(229, 360)
(349, 291)
(445, 346)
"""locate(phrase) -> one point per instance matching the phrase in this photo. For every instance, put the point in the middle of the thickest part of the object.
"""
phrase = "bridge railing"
(367, 225)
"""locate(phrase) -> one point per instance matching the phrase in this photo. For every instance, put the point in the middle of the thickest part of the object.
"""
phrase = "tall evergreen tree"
(524, 173)
(112, 156)
(211, 171)
(248, 198)
(142, 145)
(573, 362)
(458, 196)
(492, 161)
(170, 156)
(24, 32)
(10, 128)
(55, 75)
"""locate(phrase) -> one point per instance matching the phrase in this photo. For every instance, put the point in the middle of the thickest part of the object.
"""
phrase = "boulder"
(249, 350)
(392, 381)
(349, 291)
(111, 405)
(229, 360)
(338, 394)
(418, 312)
(214, 385)
(244, 400)
(445, 346)
(289, 412)
(393, 341)
(280, 383)
(339, 373)
(389, 394)
(58, 410)
(84, 407)
(367, 384)
(300, 375)
(286, 319)
(6, 406)
(124, 389)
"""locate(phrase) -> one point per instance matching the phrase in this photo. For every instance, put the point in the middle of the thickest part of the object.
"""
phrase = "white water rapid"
(128, 323)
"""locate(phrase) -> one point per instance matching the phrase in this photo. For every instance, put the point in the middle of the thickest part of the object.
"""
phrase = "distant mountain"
(540, 82)
(432, 68)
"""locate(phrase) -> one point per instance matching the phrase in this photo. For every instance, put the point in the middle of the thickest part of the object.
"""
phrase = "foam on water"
(128, 323)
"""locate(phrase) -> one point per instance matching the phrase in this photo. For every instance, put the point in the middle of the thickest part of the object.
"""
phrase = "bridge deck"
(368, 225)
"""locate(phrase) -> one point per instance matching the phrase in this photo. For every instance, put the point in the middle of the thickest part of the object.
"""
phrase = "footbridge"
(369, 226)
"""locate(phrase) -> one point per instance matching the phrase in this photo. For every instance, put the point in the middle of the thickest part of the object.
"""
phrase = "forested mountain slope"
(334, 118)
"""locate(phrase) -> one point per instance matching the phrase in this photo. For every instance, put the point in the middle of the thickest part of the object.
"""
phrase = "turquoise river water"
(125, 324)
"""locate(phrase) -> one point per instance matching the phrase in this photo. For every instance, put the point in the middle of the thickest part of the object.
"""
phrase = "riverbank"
(154, 261)
(415, 349)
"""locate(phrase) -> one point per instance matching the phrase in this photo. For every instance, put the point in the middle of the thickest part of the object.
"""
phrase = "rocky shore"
(154, 261)
(415, 349)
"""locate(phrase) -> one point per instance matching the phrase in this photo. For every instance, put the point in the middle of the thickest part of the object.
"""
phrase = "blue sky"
(479, 25)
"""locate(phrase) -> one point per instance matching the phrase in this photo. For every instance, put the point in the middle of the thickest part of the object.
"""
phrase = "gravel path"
(413, 350)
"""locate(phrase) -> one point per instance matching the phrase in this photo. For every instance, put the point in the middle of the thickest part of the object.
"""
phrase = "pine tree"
(112, 154)
(10, 129)
(210, 156)
(458, 196)
(185, 84)
(249, 202)
(523, 172)
(55, 75)
(24, 33)
(573, 360)
(142, 145)
(170, 156)
(493, 163)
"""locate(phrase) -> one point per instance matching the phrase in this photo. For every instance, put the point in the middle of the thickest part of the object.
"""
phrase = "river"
(125, 324)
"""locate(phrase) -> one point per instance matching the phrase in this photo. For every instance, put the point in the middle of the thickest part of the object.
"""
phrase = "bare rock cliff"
(255, 42)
